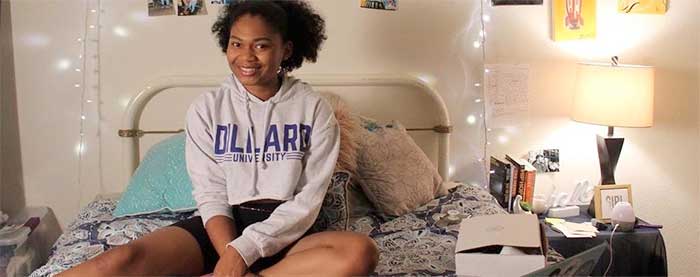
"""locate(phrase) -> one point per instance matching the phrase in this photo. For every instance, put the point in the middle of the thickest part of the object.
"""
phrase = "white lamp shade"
(620, 96)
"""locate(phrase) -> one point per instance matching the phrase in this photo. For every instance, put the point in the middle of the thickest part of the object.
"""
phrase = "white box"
(479, 233)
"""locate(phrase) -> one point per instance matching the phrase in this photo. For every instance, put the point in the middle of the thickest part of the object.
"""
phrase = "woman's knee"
(119, 258)
(362, 255)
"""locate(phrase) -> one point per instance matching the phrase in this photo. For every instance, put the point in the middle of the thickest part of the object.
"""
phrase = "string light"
(89, 87)
(481, 43)
(63, 64)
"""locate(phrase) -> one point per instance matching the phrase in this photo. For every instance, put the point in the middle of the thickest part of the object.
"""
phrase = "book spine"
(529, 186)
(521, 183)
(506, 187)
(515, 176)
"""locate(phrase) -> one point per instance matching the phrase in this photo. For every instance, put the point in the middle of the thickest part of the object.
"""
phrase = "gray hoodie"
(295, 138)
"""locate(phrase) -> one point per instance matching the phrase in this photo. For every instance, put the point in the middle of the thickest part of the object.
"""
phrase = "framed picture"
(606, 196)
(516, 2)
(573, 19)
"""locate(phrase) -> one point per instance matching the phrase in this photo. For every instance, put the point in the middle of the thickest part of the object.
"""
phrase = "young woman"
(260, 151)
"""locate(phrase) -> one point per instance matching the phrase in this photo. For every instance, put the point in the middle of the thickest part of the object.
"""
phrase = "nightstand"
(35, 250)
(640, 252)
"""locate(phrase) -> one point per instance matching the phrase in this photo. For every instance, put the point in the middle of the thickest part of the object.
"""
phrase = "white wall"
(660, 162)
(432, 39)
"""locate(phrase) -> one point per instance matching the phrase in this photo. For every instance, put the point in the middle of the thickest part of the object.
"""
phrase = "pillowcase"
(394, 173)
(160, 183)
(334, 213)
(347, 156)
(357, 204)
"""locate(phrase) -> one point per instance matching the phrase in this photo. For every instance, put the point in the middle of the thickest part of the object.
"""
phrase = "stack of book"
(511, 178)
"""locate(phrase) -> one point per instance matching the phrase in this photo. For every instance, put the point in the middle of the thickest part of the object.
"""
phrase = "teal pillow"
(160, 183)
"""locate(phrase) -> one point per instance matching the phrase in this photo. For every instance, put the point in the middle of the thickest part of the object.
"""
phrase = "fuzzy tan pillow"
(394, 173)
(347, 156)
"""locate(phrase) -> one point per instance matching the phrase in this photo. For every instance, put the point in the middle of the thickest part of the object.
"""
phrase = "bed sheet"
(411, 244)
(95, 230)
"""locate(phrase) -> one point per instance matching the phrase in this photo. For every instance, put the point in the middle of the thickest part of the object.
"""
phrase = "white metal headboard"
(131, 133)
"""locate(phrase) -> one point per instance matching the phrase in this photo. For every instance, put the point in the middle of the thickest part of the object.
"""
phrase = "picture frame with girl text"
(606, 196)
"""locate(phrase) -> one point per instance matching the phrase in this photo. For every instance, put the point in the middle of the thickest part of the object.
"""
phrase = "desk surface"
(639, 252)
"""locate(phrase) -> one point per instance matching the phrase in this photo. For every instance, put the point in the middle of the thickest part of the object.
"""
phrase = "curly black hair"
(295, 20)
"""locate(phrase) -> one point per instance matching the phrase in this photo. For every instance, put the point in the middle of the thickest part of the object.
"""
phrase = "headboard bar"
(131, 132)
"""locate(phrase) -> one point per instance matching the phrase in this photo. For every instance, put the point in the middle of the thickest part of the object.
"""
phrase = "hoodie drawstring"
(251, 133)
(266, 122)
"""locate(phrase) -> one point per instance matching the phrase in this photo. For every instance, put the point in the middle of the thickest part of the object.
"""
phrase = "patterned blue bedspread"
(410, 244)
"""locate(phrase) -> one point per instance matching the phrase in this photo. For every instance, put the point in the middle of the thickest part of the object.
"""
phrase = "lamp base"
(609, 149)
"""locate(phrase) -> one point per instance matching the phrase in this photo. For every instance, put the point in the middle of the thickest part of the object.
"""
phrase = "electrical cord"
(611, 249)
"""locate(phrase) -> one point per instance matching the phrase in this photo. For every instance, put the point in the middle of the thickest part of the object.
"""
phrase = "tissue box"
(478, 251)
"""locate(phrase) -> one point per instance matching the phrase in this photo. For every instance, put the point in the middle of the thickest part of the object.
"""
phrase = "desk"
(638, 253)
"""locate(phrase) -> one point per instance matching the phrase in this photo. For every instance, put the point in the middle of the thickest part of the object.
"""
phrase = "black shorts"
(244, 215)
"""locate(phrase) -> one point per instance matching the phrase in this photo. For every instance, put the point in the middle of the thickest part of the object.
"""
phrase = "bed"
(412, 243)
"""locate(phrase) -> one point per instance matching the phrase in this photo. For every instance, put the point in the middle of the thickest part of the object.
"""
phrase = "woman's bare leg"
(328, 254)
(166, 251)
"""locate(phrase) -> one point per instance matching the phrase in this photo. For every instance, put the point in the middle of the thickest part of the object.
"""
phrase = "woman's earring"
(280, 70)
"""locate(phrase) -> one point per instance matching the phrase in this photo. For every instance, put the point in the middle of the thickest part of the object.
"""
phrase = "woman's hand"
(230, 264)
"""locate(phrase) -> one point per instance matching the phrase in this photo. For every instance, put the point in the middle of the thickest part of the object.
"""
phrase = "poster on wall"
(642, 6)
(191, 7)
(506, 92)
(516, 2)
(161, 7)
(573, 19)
(390, 5)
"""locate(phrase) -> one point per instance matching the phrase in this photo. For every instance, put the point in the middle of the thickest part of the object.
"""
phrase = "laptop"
(581, 264)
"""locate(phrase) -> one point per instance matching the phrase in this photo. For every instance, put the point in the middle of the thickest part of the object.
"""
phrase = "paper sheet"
(506, 95)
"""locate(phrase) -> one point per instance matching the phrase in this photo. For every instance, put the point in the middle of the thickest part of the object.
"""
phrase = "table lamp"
(613, 95)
